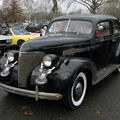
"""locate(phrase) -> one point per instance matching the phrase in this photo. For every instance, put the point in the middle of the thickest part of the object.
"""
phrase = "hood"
(2, 37)
(52, 42)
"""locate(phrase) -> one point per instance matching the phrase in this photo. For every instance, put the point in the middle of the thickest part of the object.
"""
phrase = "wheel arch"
(63, 77)
(89, 76)
(20, 40)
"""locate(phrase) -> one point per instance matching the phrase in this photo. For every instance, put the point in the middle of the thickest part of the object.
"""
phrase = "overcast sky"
(73, 8)
(63, 6)
(1, 2)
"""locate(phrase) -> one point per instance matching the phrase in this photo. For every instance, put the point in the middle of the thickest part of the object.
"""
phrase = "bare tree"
(6, 4)
(112, 8)
(91, 5)
(55, 7)
(0, 15)
(30, 7)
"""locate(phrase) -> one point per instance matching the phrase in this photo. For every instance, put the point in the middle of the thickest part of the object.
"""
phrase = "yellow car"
(19, 35)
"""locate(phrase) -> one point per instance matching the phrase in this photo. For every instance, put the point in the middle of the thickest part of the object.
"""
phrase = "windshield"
(71, 26)
(20, 31)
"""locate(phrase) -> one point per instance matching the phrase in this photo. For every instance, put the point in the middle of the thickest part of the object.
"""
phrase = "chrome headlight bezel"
(50, 60)
(10, 56)
(47, 61)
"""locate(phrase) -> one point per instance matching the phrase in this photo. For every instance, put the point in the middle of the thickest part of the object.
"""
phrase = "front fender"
(13, 77)
(63, 77)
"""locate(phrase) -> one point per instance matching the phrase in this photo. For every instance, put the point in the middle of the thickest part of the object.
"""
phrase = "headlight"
(51, 60)
(47, 62)
(10, 56)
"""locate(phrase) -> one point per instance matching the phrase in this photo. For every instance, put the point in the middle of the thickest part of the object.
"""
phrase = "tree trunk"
(55, 8)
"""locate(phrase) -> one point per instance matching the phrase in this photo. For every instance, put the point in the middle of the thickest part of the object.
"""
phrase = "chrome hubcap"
(78, 89)
(77, 92)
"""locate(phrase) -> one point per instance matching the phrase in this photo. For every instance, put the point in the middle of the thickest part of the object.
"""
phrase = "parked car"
(19, 35)
(77, 52)
(5, 42)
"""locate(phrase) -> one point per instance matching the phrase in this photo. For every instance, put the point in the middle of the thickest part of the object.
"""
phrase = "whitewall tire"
(77, 91)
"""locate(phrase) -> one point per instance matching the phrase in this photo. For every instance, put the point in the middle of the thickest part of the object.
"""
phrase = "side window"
(116, 28)
(5, 32)
(103, 29)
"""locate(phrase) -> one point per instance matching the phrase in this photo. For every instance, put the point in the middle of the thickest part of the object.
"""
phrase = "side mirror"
(43, 31)
(45, 28)
(100, 28)
(99, 31)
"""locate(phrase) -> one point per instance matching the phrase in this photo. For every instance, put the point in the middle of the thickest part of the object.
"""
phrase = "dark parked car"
(77, 51)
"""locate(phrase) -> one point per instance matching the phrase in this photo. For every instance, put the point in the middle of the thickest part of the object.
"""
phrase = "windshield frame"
(68, 24)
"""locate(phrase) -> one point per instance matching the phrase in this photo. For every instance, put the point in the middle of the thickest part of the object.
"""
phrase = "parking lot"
(102, 103)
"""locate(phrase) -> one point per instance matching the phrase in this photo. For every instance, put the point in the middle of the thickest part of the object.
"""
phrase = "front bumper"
(29, 93)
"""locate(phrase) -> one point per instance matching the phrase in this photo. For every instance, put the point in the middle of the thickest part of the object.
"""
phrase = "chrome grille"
(27, 62)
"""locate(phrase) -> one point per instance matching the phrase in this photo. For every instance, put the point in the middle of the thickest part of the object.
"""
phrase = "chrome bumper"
(29, 93)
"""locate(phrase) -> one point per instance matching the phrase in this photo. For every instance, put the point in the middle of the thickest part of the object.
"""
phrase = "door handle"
(113, 40)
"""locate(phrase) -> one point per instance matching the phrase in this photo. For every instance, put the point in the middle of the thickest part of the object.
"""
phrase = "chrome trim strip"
(31, 52)
(29, 93)
(68, 25)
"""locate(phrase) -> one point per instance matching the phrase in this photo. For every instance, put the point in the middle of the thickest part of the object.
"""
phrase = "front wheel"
(77, 91)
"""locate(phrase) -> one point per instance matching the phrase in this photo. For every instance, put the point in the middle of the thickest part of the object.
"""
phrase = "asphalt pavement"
(101, 103)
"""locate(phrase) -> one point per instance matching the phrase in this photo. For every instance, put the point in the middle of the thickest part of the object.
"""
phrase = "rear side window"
(116, 27)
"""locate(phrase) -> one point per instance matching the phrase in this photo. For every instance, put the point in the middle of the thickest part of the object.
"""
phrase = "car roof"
(93, 18)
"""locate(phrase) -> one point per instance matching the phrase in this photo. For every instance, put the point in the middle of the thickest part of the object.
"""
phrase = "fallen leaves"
(27, 110)
(97, 110)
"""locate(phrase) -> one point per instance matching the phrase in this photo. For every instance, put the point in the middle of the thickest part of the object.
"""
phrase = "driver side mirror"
(45, 28)
(43, 31)
(99, 31)
(100, 28)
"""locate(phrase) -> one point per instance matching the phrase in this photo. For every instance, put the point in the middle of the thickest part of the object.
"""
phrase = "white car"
(5, 42)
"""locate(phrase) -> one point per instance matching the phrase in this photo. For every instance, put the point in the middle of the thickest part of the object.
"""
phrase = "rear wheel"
(117, 71)
(76, 92)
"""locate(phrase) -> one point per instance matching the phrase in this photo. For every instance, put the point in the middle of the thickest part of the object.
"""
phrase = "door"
(116, 40)
(101, 50)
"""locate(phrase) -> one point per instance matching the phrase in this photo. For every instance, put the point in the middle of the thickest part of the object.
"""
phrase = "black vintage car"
(77, 51)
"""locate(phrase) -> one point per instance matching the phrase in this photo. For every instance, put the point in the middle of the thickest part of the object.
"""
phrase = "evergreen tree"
(13, 12)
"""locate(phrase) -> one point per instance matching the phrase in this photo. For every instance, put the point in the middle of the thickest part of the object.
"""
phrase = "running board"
(103, 73)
